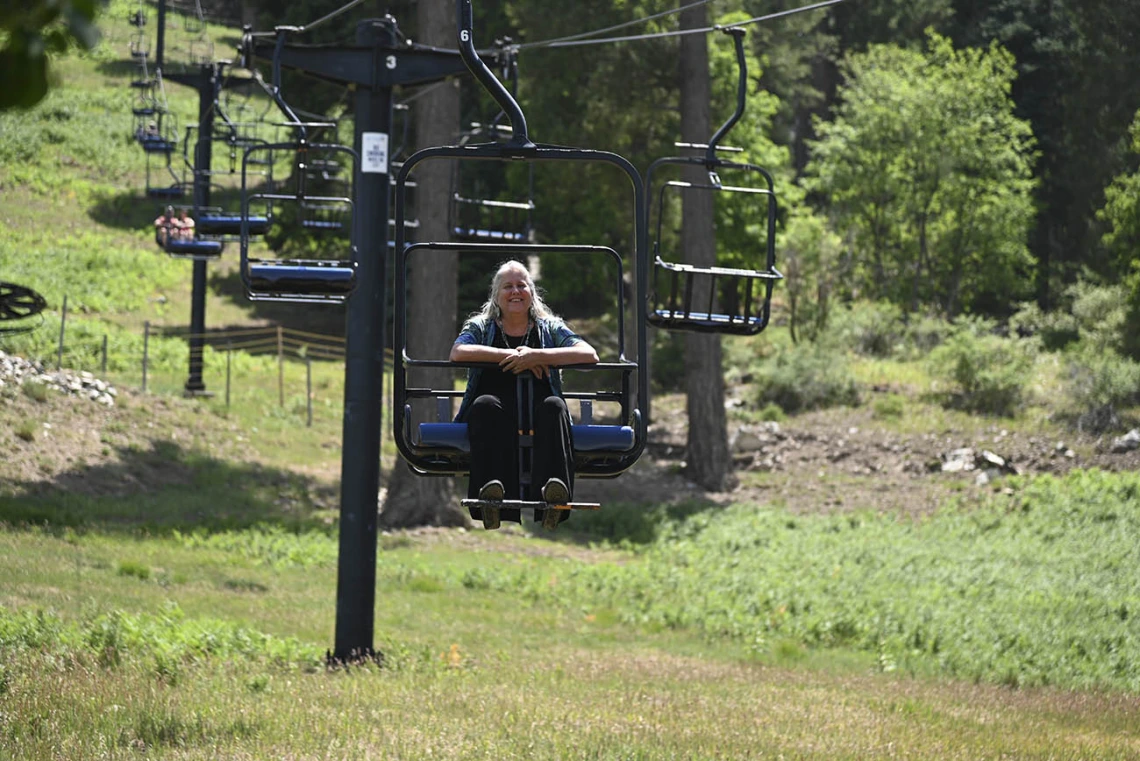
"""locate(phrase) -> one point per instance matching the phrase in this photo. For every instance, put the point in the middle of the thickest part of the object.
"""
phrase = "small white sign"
(375, 147)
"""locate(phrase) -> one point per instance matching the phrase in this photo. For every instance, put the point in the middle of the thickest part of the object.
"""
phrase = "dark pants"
(493, 432)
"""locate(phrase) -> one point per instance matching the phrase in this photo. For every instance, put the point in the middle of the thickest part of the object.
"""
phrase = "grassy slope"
(497, 645)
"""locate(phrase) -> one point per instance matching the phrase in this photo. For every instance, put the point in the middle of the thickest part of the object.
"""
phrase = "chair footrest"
(520, 504)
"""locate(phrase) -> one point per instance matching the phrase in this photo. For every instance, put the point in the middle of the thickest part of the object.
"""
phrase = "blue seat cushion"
(194, 247)
(587, 438)
(230, 224)
(314, 278)
(480, 234)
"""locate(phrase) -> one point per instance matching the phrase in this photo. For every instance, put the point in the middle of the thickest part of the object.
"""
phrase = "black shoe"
(491, 491)
(554, 493)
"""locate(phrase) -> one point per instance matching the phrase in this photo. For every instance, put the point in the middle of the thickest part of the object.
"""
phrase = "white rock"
(1127, 442)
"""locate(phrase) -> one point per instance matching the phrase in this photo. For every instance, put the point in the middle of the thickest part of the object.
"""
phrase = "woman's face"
(514, 296)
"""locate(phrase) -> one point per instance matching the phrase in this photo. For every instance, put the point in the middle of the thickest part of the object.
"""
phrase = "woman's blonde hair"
(490, 309)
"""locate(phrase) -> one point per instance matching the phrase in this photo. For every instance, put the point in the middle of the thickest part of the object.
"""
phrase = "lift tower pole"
(374, 65)
(207, 82)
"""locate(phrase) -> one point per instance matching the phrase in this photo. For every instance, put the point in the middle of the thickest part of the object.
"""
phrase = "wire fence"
(296, 369)
(291, 349)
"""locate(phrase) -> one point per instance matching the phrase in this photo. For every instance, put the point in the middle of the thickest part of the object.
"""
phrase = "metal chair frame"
(672, 305)
(429, 459)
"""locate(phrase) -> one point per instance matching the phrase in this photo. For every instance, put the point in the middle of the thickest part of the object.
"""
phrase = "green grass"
(218, 651)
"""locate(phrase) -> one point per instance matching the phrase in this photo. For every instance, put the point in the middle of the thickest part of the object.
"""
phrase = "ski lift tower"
(373, 65)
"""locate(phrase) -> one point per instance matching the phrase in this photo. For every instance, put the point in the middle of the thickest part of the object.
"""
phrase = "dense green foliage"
(986, 372)
(928, 170)
(29, 33)
(805, 377)
(169, 639)
(999, 128)
(1035, 588)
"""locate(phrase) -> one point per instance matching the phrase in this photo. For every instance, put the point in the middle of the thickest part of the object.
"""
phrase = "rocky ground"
(846, 459)
(831, 460)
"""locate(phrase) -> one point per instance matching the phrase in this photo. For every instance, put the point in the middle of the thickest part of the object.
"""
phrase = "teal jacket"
(481, 331)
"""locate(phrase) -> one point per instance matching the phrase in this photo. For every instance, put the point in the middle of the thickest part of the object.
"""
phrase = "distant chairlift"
(163, 137)
(176, 190)
(474, 217)
(194, 20)
(715, 299)
(299, 280)
(140, 45)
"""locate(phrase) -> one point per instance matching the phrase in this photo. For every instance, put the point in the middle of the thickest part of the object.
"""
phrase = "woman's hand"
(525, 358)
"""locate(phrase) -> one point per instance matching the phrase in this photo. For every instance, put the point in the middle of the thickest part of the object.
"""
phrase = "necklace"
(513, 342)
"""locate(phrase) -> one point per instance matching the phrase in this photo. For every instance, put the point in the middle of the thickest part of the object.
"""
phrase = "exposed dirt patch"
(846, 459)
(72, 444)
(833, 460)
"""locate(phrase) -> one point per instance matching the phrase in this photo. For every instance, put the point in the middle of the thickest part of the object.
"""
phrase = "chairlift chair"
(732, 300)
(474, 217)
(164, 140)
(201, 51)
(206, 249)
(139, 45)
(194, 21)
(298, 280)
(174, 191)
(442, 448)
(216, 222)
(196, 247)
(295, 280)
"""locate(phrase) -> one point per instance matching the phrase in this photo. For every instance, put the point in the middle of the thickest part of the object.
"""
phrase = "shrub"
(1096, 314)
(806, 377)
(1098, 382)
(135, 569)
(888, 407)
(1101, 312)
(772, 412)
(923, 334)
(26, 431)
(1055, 330)
(870, 328)
(36, 390)
(987, 372)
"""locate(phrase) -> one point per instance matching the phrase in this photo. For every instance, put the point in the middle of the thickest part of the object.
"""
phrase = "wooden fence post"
(146, 348)
(229, 354)
(62, 323)
(309, 388)
(280, 368)
(103, 364)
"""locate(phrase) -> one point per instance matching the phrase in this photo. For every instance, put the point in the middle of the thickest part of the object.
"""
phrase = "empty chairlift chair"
(476, 217)
(713, 299)
(326, 217)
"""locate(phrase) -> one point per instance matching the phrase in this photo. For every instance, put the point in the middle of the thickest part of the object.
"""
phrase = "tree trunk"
(708, 462)
(432, 285)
